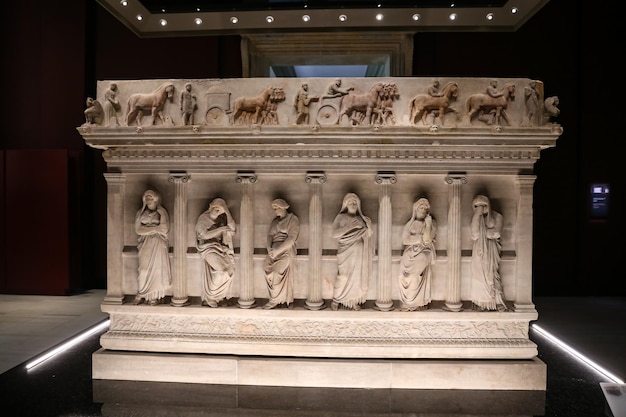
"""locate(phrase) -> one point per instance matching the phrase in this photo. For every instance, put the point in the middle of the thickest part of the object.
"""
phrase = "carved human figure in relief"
(302, 102)
(154, 273)
(188, 105)
(214, 240)
(111, 106)
(550, 108)
(334, 90)
(492, 89)
(418, 238)
(486, 285)
(433, 90)
(280, 263)
(353, 232)
(94, 113)
(532, 104)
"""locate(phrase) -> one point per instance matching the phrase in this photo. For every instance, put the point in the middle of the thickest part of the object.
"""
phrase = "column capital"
(246, 177)
(456, 178)
(178, 177)
(315, 177)
(386, 177)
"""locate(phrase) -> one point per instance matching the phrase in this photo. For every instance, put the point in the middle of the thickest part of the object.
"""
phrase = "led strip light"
(70, 343)
(577, 355)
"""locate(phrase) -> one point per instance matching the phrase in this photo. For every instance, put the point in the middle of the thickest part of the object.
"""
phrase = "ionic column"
(115, 241)
(179, 267)
(383, 301)
(314, 299)
(524, 249)
(453, 291)
(246, 233)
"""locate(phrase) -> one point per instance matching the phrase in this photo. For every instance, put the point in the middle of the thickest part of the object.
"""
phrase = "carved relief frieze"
(270, 328)
(429, 105)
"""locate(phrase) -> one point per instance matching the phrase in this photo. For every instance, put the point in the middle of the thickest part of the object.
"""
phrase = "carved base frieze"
(300, 332)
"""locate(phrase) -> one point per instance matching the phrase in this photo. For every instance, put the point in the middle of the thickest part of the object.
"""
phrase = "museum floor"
(62, 386)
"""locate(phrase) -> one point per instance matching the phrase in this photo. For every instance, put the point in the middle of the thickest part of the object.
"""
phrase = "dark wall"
(572, 46)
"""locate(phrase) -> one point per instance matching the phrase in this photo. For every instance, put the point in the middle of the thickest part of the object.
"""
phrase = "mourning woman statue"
(353, 232)
(152, 226)
(418, 238)
(280, 262)
(486, 228)
(214, 231)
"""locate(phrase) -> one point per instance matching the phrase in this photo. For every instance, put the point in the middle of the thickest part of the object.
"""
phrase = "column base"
(454, 307)
(180, 302)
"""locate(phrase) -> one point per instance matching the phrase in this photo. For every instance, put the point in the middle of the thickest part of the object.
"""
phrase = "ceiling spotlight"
(234, 20)
(124, 3)
(269, 19)
(514, 10)
(197, 21)
(379, 5)
(162, 10)
(139, 17)
(163, 22)
(379, 16)
(489, 16)
(197, 9)
(452, 16)
(416, 17)
(343, 17)
(306, 18)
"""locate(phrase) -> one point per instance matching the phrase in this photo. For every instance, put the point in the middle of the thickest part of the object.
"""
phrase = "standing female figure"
(152, 226)
(214, 240)
(280, 262)
(353, 232)
(486, 227)
(418, 238)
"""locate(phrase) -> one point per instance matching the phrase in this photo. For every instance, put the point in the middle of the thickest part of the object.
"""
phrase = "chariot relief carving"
(390, 102)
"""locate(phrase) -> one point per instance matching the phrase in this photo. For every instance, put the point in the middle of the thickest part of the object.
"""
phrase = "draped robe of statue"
(353, 232)
(486, 287)
(216, 249)
(280, 270)
(415, 263)
(154, 277)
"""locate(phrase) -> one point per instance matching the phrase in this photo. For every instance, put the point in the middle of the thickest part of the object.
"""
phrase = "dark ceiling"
(168, 18)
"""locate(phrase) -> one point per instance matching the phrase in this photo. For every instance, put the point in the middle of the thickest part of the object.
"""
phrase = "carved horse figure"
(259, 107)
(490, 109)
(153, 102)
(353, 105)
(423, 104)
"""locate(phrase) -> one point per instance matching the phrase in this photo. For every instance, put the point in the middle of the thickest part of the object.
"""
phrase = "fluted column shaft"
(179, 268)
(115, 241)
(383, 300)
(453, 286)
(246, 230)
(524, 249)
(314, 299)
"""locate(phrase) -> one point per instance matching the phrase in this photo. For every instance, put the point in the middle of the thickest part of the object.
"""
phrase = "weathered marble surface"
(249, 159)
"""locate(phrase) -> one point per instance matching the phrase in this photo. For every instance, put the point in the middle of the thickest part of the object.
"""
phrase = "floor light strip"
(71, 342)
(577, 355)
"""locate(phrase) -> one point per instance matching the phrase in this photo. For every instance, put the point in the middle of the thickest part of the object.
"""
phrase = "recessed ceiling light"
(416, 17)
(514, 10)
(379, 16)
(306, 18)
(490, 16)
(343, 17)
(269, 19)
(124, 3)
(197, 21)
(452, 16)
(139, 17)
(163, 22)
(234, 20)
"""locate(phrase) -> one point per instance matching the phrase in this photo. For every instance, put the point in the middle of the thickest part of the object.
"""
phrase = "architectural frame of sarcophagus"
(308, 232)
